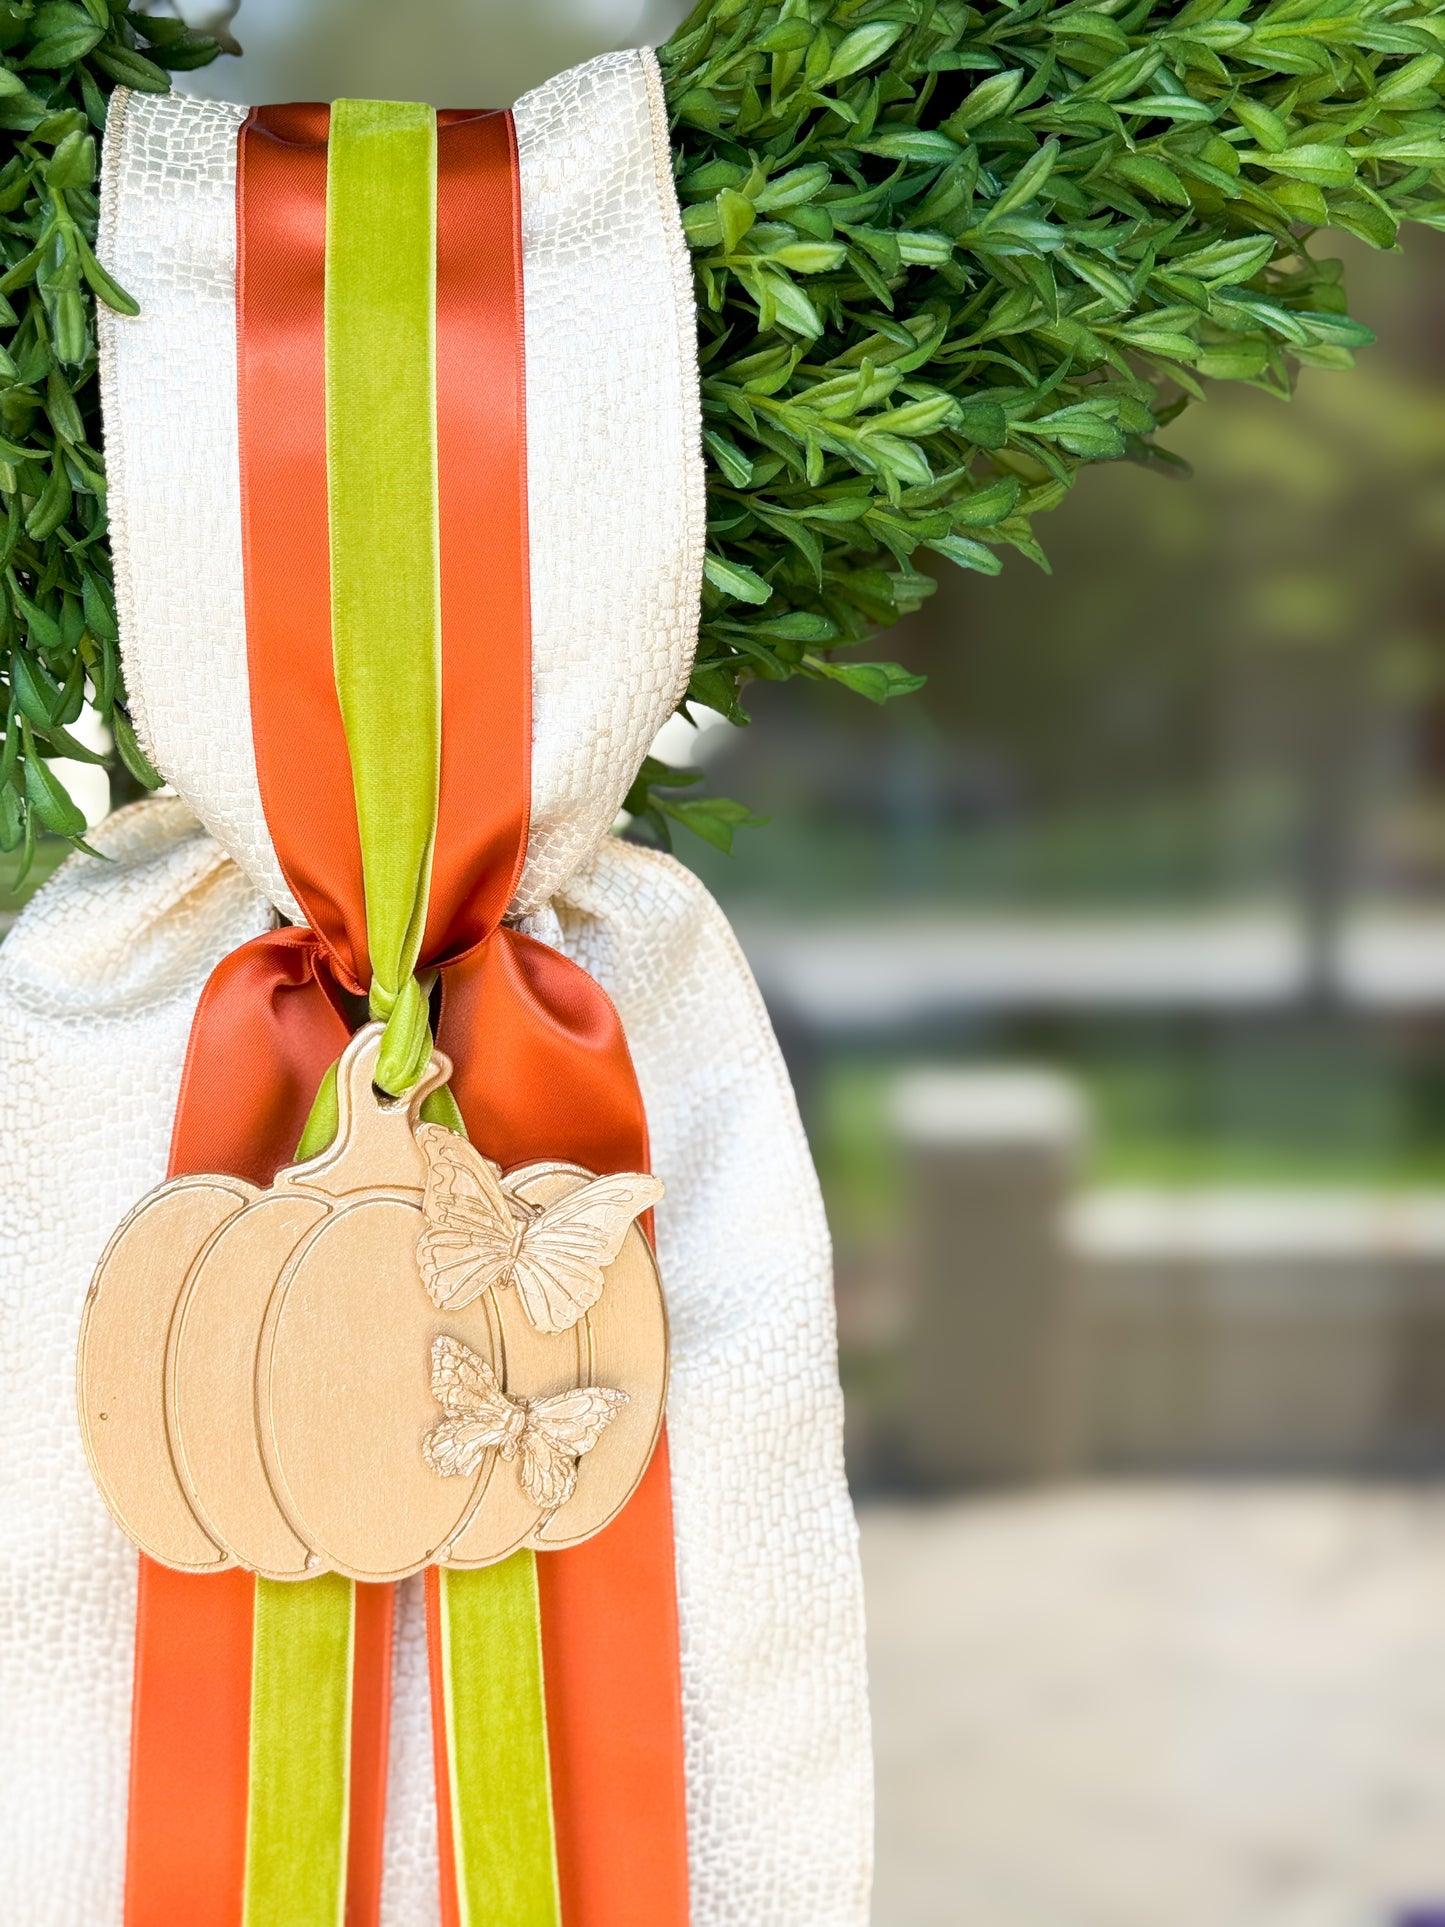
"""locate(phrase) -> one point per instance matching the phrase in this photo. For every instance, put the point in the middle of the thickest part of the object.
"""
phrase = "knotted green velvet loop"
(406, 1042)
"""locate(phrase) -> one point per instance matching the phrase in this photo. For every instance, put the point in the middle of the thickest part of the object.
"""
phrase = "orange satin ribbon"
(266, 1029)
(542, 1068)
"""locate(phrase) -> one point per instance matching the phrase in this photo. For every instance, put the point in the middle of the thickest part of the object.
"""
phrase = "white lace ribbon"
(99, 981)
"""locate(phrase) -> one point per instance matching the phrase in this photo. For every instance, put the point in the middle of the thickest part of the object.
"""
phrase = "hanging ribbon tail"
(190, 1752)
(543, 1070)
(498, 1855)
(268, 1026)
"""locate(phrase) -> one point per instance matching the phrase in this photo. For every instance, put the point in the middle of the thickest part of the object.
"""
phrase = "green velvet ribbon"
(501, 1798)
(386, 637)
(381, 467)
(296, 1834)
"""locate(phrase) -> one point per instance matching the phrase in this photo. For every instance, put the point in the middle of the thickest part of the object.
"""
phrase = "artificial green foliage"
(946, 255)
(58, 62)
(653, 802)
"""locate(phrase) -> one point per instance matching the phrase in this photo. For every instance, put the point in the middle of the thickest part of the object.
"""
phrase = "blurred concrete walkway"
(872, 973)
(1160, 1706)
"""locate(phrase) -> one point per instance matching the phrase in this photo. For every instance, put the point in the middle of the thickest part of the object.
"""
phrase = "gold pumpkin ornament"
(397, 1355)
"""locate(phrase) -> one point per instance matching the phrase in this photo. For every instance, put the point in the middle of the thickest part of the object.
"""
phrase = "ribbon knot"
(406, 1043)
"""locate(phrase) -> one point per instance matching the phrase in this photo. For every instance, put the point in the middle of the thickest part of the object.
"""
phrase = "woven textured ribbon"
(99, 983)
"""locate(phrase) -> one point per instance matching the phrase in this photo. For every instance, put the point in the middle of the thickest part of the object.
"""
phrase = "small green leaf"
(49, 799)
(878, 681)
(911, 144)
(808, 257)
(920, 248)
(36, 693)
(132, 69)
(861, 49)
(1365, 219)
(1406, 150)
(1415, 77)
(99, 609)
(735, 580)
(729, 457)
(43, 628)
(73, 163)
(1339, 329)
(1235, 259)
(790, 305)
(655, 774)
(1151, 177)
(131, 753)
(1316, 162)
(110, 291)
(1160, 341)
(714, 818)
(798, 186)
(62, 49)
(1082, 429)
(1027, 184)
(55, 16)
(1301, 201)
(53, 506)
(12, 818)
(93, 99)
(988, 101)
(22, 272)
(67, 320)
(788, 36)
(735, 215)
(27, 852)
(967, 553)
(987, 505)
(798, 625)
(60, 742)
(1261, 123)
(61, 407)
(1233, 361)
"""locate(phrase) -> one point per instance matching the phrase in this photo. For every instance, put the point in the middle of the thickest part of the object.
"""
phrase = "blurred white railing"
(893, 971)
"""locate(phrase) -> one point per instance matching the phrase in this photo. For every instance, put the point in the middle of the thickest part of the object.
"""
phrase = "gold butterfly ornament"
(547, 1435)
(480, 1235)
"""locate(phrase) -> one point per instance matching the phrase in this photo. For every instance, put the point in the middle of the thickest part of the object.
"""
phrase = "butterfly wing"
(558, 1432)
(470, 1235)
(566, 1248)
(549, 1475)
(479, 1413)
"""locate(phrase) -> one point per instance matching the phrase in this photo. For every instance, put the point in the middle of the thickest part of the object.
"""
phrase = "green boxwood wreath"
(945, 255)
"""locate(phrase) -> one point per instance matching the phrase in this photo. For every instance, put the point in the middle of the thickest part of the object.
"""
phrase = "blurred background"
(1111, 970)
